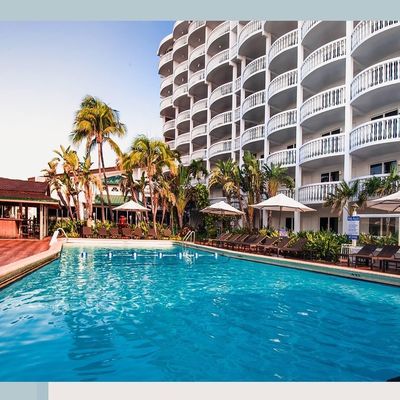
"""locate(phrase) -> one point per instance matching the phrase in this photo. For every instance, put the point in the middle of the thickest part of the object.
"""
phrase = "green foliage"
(71, 228)
(377, 240)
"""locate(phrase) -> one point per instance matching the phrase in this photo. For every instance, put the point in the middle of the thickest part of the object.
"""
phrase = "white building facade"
(321, 98)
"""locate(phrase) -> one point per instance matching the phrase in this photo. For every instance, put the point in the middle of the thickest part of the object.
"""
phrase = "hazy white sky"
(46, 68)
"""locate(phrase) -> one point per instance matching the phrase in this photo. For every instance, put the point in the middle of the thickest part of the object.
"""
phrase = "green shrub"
(377, 240)
(325, 245)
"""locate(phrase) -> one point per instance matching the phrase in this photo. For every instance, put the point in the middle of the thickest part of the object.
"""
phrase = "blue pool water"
(194, 319)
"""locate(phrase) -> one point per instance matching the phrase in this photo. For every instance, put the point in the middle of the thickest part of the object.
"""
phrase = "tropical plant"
(344, 193)
(96, 123)
(183, 191)
(325, 245)
(197, 169)
(88, 181)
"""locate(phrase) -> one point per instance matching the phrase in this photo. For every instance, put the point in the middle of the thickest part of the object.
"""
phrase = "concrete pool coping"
(11, 272)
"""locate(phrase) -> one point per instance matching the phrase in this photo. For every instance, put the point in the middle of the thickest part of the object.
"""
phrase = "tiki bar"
(24, 208)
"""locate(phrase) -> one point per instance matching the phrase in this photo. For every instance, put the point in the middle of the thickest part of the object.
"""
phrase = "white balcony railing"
(234, 51)
(181, 42)
(283, 120)
(166, 82)
(285, 158)
(220, 147)
(219, 31)
(323, 55)
(199, 154)
(381, 74)
(220, 119)
(257, 65)
(324, 101)
(250, 29)
(316, 192)
(221, 91)
(182, 117)
(365, 29)
(180, 91)
(362, 180)
(306, 27)
(282, 44)
(169, 125)
(166, 58)
(217, 60)
(181, 68)
(195, 25)
(185, 160)
(237, 143)
(282, 82)
(197, 77)
(199, 130)
(237, 114)
(322, 147)
(199, 106)
(165, 103)
(182, 139)
(171, 144)
(197, 52)
(254, 100)
(383, 130)
(252, 134)
(238, 84)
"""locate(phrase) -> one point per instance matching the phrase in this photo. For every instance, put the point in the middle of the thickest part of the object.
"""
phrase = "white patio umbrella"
(280, 203)
(222, 208)
(390, 203)
(131, 206)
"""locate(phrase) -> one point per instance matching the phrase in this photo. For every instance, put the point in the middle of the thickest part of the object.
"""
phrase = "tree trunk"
(180, 219)
(106, 184)
(103, 216)
(164, 209)
(64, 203)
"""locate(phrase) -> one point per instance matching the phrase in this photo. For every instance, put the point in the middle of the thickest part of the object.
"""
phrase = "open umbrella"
(131, 206)
(222, 208)
(390, 203)
(280, 203)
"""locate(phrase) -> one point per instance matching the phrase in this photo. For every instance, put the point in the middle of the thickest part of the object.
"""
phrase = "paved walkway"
(16, 249)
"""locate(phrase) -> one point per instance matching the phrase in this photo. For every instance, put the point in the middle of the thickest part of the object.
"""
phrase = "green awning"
(116, 200)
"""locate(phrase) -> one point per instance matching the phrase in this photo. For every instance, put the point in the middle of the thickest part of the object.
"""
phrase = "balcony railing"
(282, 82)
(169, 125)
(200, 105)
(283, 120)
(197, 52)
(185, 160)
(220, 119)
(324, 101)
(167, 57)
(250, 29)
(323, 55)
(307, 26)
(181, 68)
(171, 144)
(221, 91)
(195, 25)
(237, 143)
(182, 116)
(365, 29)
(237, 114)
(322, 147)
(182, 139)
(362, 180)
(257, 65)
(238, 84)
(220, 147)
(197, 77)
(254, 100)
(217, 60)
(181, 42)
(380, 74)
(374, 132)
(199, 130)
(234, 51)
(167, 102)
(316, 192)
(252, 134)
(199, 154)
(282, 44)
(285, 158)
(219, 31)
(180, 91)
(166, 82)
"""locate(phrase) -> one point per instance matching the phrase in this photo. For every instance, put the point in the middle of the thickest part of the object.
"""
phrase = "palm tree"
(87, 181)
(390, 184)
(96, 123)
(183, 191)
(168, 199)
(152, 155)
(343, 195)
(274, 176)
(197, 169)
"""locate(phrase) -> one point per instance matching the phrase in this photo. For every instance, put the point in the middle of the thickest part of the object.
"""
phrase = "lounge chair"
(127, 232)
(231, 244)
(232, 237)
(363, 256)
(275, 247)
(137, 233)
(87, 232)
(385, 256)
(151, 234)
(102, 233)
(295, 249)
(246, 242)
(222, 236)
(114, 233)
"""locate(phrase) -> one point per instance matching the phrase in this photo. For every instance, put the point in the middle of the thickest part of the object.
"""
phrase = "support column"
(41, 223)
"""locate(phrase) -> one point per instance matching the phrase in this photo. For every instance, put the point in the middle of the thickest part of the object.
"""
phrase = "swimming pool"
(101, 314)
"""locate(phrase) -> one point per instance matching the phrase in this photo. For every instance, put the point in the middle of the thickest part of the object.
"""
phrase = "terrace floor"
(16, 249)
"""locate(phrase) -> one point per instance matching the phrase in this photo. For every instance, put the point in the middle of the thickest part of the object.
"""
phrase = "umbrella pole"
(280, 217)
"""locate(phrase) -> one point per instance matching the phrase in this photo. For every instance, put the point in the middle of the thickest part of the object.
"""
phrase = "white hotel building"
(322, 98)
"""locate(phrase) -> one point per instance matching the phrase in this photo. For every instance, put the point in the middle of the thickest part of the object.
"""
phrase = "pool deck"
(28, 257)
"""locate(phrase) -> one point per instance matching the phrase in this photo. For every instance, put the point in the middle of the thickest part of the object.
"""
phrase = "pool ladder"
(190, 237)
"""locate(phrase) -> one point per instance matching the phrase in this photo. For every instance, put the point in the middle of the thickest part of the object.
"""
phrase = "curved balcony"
(165, 83)
(179, 28)
(199, 131)
(199, 155)
(179, 93)
(282, 127)
(194, 25)
(220, 121)
(379, 136)
(182, 140)
(325, 65)
(218, 32)
(374, 40)
(196, 79)
(165, 64)
(180, 43)
(219, 148)
(253, 106)
(251, 137)
(376, 86)
(171, 144)
(182, 119)
(250, 30)
(253, 75)
(306, 28)
(285, 158)
(324, 108)
(217, 62)
(196, 32)
(317, 150)
(282, 55)
(200, 106)
(198, 52)
(179, 70)
(316, 192)
(282, 89)
(185, 160)
(169, 128)
(316, 33)
(221, 92)
(165, 104)
(237, 144)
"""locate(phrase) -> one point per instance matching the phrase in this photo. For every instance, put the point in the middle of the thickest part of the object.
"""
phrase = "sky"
(46, 68)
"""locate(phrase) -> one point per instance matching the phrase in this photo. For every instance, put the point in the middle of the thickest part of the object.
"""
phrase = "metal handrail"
(191, 235)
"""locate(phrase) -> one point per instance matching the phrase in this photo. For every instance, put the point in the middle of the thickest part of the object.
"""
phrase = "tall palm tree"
(390, 184)
(96, 123)
(197, 169)
(183, 191)
(343, 195)
(88, 181)
(168, 199)
(274, 176)
(152, 155)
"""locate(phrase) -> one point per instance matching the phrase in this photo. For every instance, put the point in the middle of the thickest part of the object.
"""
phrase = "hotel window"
(391, 113)
(329, 224)
(382, 168)
(330, 176)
